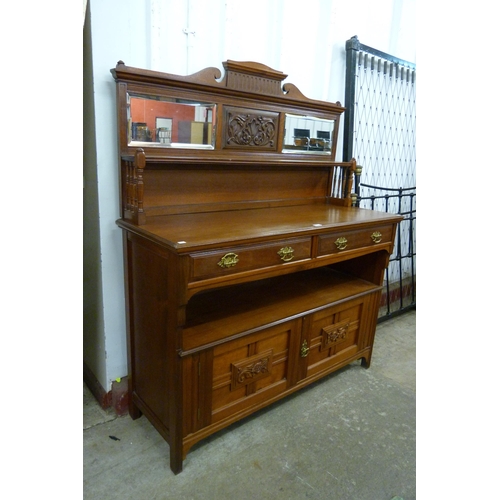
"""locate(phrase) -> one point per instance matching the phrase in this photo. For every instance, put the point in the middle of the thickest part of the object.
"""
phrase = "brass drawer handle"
(376, 237)
(286, 253)
(341, 243)
(229, 260)
(304, 350)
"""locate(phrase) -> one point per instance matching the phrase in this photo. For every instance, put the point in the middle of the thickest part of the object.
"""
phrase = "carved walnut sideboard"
(248, 273)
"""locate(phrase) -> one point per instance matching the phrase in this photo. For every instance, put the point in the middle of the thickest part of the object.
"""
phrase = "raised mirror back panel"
(249, 110)
(203, 143)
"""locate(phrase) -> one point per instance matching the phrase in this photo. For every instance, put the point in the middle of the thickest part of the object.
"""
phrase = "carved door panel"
(330, 336)
(251, 370)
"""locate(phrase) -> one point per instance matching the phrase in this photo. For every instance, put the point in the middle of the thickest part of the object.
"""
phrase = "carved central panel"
(251, 369)
(334, 334)
(256, 129)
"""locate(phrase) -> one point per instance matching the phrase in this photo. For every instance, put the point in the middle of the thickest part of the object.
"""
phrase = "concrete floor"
(350, 436)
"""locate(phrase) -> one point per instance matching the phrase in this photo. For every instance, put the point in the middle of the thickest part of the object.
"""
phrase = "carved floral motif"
(250, 130)
(338, 334)
(335, 334)
(252, 370)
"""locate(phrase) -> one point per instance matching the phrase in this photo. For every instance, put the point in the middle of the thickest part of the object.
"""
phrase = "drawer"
(343, 241)
(236, 260)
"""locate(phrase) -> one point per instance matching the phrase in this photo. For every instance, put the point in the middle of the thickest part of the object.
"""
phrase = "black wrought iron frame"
(407, 288)
(353, 47)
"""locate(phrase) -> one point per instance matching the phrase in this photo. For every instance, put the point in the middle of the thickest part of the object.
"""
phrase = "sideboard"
(249, 273)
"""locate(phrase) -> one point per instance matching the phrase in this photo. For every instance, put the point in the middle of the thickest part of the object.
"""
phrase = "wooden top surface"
(200, 231)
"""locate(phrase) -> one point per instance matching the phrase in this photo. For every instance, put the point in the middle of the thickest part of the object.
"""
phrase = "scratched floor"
(350, 436)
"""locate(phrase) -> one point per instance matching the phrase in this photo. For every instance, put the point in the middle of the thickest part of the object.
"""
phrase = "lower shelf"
(219, 315)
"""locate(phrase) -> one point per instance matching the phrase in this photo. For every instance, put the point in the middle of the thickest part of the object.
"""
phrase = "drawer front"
(343, 241)
(220, 263)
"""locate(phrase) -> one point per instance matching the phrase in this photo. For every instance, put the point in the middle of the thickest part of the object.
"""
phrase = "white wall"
(305, 40)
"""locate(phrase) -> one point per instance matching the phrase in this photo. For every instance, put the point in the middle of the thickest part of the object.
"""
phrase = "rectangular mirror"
(307, 134)
(155, 121)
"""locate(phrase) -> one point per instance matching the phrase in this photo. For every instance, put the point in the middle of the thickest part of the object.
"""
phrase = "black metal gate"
(379, 131)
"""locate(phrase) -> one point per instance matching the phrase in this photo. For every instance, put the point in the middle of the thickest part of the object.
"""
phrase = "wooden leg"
(366, 360)
(175, 460)
(133, 411)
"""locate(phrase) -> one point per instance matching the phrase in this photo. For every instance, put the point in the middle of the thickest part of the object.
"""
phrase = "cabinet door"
(334, 335)
(252, 370)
